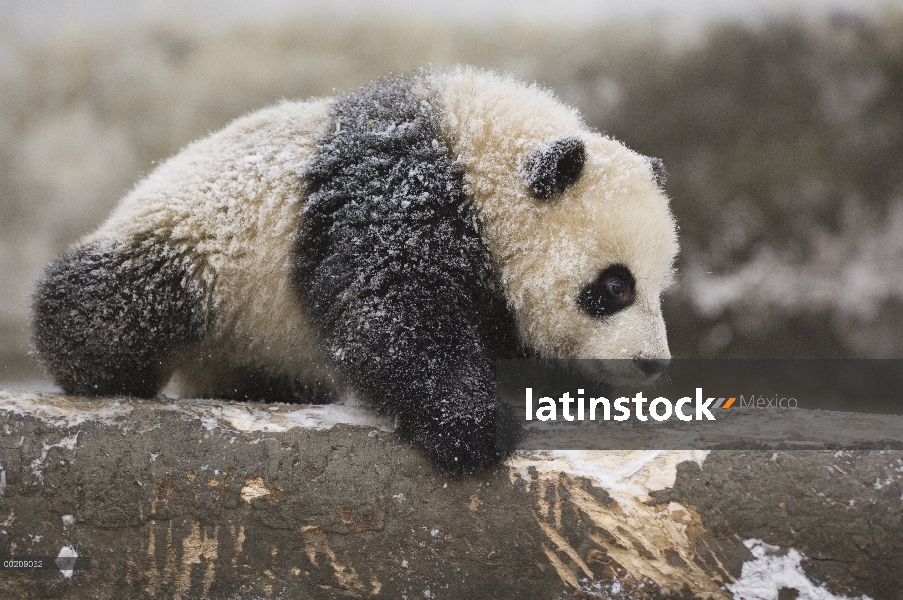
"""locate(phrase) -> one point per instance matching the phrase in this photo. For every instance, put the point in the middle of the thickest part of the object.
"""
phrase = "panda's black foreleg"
(106, 317)
(407, 315)
(424, 361)
(397, 278)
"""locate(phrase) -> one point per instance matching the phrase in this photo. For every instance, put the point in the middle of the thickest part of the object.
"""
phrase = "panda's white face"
(591, 265)
(583, 266)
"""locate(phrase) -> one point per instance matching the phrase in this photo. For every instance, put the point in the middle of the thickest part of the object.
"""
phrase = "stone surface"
(205, 499)
(843, 510)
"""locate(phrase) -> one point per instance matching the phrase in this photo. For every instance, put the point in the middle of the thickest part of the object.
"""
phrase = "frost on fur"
(398, 279)
(108, 317)
(556, 166)
(392, 242)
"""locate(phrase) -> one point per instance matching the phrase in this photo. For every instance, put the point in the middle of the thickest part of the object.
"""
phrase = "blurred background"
(781, 125)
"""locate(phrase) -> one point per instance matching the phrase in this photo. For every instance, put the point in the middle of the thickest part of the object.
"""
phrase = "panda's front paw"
(465, 443)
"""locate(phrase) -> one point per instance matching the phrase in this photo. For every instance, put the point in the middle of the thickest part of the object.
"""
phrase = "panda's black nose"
(651, 366)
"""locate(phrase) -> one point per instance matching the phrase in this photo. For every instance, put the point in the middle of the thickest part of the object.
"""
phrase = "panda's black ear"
(556, 166)
(659, 174)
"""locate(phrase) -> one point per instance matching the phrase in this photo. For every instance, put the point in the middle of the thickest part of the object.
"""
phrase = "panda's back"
(232, 203)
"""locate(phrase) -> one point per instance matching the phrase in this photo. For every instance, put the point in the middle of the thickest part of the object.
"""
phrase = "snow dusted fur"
(545, 252)
(229, 205)
(390, 243)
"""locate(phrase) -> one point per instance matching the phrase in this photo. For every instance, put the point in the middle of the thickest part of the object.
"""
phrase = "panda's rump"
(229, 205)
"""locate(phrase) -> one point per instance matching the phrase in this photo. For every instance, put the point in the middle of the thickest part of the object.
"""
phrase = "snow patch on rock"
(68, 412)
(66, 559)
(763, 577)
(62, 411)
(628, 475)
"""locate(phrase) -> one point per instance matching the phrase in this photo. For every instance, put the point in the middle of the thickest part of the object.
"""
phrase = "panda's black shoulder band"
(556, 166)
(399, 281)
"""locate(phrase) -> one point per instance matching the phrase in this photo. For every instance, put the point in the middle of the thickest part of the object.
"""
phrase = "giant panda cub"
(389, 244)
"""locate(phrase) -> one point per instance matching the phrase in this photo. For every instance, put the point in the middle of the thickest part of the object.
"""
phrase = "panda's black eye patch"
(612, 291)
(556, 166)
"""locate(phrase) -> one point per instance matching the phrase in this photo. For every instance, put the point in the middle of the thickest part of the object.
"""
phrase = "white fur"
(233, 201)
(547, 251)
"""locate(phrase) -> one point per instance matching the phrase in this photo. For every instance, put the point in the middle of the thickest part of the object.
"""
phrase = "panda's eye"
(612, 291)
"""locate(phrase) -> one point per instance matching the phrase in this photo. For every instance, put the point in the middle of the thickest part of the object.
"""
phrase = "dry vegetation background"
(784, 143)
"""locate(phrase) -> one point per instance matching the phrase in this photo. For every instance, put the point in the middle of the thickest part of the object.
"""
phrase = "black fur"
(398, 279)
(107, 317)
(556, 166)
(259, 384)
(600, 299)
(659, 174)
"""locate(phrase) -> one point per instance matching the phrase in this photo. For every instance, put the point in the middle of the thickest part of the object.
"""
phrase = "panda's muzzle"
(651, 366)
(611, 292)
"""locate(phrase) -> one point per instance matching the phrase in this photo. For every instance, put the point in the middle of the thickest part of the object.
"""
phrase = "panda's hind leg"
(108, 315)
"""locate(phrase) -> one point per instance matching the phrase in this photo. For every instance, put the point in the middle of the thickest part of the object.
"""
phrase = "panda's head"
(608, 245)
(577, 224)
